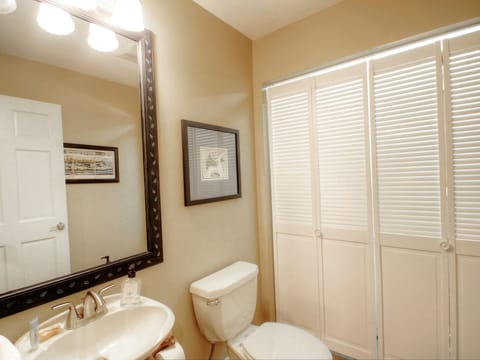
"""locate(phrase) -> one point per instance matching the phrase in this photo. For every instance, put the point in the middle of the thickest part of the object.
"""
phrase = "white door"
(346, 257)
(462, 61)
(320, 201)
(423, 206)
(410, 202)
(293, 206)
(34, 243)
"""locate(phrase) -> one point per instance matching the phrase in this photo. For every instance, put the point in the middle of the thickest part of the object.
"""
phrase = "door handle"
(445, 246)
(60, 226)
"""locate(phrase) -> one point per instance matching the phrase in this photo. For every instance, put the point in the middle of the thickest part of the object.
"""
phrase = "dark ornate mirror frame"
(21, 299)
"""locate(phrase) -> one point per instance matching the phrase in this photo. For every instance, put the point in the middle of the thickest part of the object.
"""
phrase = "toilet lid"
(282, 341)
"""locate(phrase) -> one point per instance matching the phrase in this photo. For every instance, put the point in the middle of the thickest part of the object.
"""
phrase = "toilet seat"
(282, 341)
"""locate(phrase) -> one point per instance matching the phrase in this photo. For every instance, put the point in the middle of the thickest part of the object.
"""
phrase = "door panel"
(32, 125)
(462, 88)
(414, 293)
(468, 290)
(348, 301)
(34, 185)
(410, 203)
(293, 203)
(41, 253)
(343, 168)
(297, 281)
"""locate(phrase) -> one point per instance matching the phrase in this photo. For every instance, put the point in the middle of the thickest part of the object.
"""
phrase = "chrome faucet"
(93, 306)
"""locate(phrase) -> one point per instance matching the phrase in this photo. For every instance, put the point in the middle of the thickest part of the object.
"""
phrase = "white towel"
(8, 351)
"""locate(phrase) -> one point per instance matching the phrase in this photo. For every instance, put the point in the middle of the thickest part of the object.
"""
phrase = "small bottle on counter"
(130, 290)
(34, 333)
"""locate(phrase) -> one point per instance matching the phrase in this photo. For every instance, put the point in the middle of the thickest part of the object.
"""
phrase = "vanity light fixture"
(102, 39)
(54, 20)
(85, 5)
(7, 6)
(128, 15)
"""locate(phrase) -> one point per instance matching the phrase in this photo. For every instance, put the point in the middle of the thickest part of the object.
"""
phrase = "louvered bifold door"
(409, 201)
(341, 121)
(462, 60)
(293, 204)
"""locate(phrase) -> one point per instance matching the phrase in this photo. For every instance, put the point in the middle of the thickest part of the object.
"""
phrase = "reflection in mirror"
(55, 90)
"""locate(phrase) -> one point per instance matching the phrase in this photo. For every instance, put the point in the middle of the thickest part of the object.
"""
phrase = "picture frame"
(211, 163)
(90, 164)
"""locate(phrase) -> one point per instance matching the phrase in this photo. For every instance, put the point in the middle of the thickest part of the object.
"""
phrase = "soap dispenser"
(130, 290)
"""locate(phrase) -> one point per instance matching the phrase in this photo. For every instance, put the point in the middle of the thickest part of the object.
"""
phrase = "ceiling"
(256, 18)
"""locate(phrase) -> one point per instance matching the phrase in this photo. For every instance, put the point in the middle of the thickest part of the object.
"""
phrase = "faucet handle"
(108, 287)
(68, 304)
(72, 317)
(94, 303)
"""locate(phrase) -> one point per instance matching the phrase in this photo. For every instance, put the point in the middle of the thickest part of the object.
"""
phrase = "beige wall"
(203, 73)
(351, 27)
(104, 219)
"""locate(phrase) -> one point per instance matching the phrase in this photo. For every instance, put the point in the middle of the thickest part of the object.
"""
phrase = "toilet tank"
(225, 301)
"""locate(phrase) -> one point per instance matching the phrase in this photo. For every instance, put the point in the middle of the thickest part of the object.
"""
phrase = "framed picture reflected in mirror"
(90, 163)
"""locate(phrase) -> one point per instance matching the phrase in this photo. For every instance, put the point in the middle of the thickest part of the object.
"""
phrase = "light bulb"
(128, 15)
(7, 6)
(54, 20)
(102, 39)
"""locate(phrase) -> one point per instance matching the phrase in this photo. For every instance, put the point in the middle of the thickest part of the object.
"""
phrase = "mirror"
(99, 101)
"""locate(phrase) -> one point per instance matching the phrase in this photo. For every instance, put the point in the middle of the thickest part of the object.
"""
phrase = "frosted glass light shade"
(7, 6)
(102, 39)
(54, 20)
(128, 15)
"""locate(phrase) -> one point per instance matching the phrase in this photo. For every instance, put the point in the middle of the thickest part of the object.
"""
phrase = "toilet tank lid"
(225, 280)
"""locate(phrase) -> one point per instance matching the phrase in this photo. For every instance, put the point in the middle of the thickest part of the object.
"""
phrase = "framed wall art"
(211, 163)
(90, 163)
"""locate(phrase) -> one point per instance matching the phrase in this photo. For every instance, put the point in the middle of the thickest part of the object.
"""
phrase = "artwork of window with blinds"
(407, 144)
(211, 163)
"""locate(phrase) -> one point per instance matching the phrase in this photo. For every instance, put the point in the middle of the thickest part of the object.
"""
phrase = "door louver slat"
(290, 126)
(340, 119)
(464, 71)
(407, 153)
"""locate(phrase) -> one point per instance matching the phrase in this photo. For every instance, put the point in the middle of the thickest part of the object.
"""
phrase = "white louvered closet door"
(462, 61)
(293, 205)
(409, 201)
(341, 120)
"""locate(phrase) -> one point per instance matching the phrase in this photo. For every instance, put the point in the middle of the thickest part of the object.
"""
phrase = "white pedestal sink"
(132, 332)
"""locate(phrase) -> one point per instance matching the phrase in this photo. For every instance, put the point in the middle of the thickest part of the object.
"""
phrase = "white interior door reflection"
(34, 243)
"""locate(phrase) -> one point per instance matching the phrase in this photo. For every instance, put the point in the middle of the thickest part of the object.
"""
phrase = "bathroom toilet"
(224, 304)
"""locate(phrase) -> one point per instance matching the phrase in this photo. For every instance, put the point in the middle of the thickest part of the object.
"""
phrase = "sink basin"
(123, 333)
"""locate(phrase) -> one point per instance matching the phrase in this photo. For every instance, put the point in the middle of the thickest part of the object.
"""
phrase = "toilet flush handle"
(213, 302)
